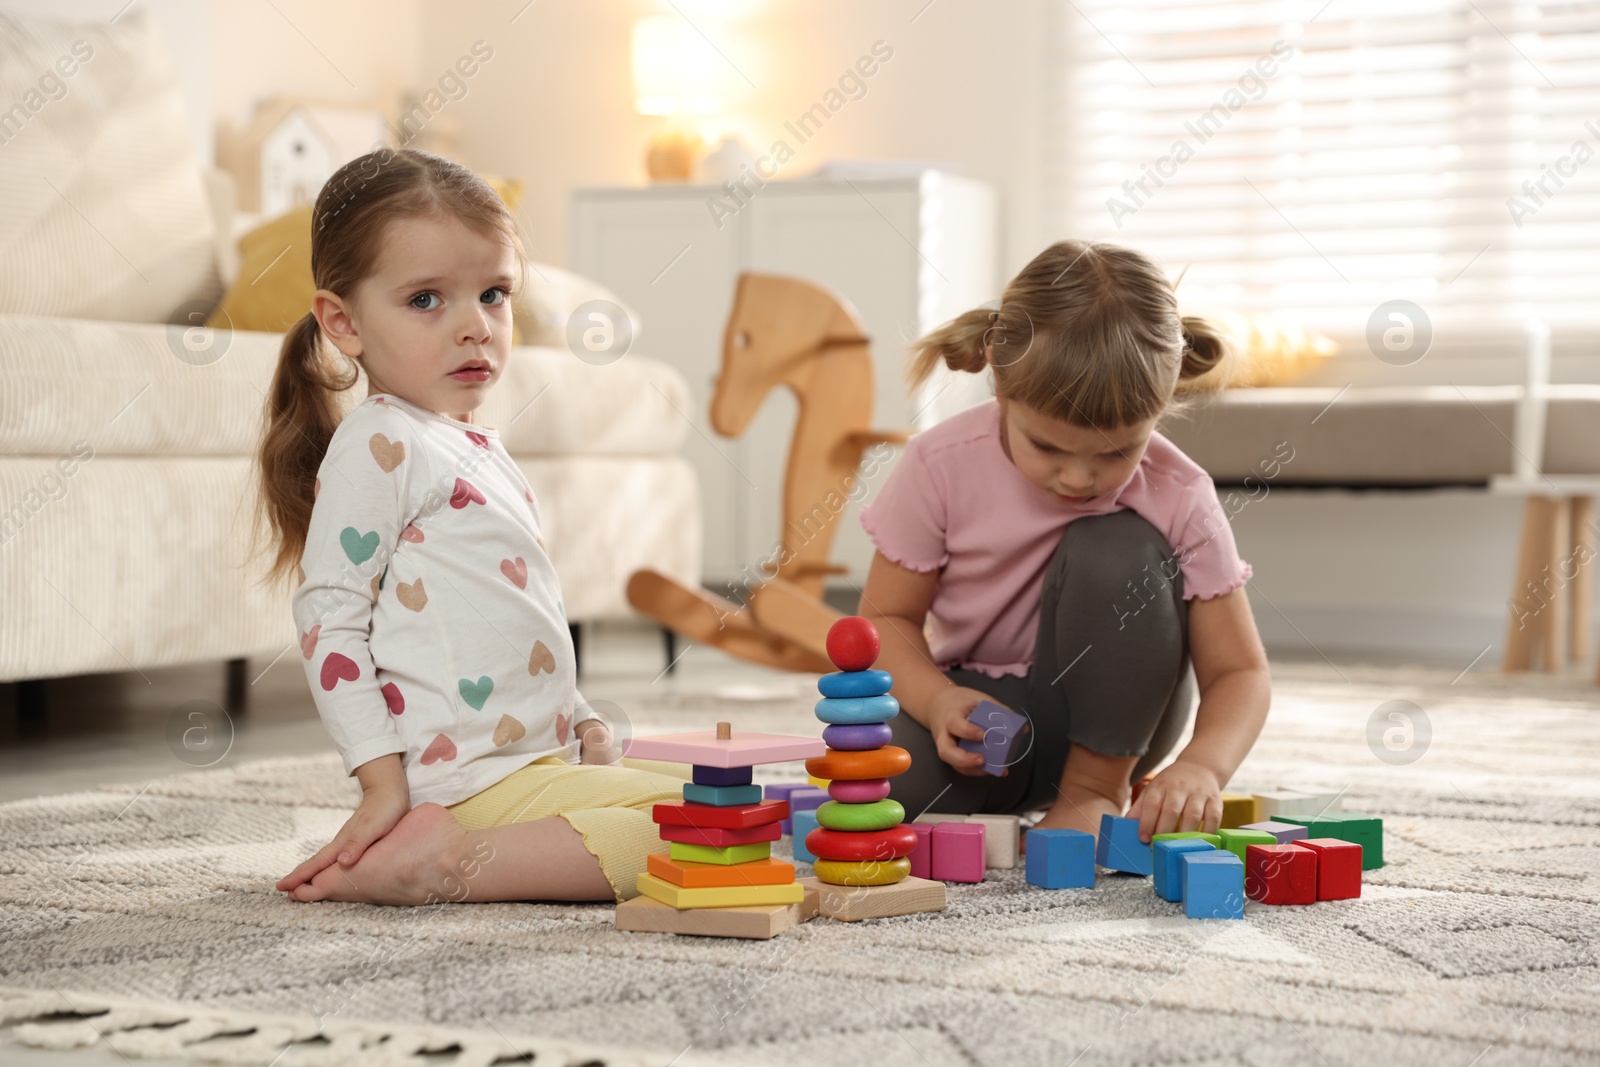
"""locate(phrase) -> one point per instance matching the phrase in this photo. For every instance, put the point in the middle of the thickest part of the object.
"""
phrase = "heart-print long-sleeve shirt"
(429, 614)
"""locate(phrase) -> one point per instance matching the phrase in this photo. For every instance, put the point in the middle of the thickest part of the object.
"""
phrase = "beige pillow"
(103, 211)
(550, 298)
(1265, 352)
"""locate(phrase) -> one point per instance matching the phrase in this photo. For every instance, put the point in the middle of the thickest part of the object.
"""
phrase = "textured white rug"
(151, 912)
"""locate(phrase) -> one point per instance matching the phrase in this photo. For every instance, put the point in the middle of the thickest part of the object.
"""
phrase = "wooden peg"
(724, 731)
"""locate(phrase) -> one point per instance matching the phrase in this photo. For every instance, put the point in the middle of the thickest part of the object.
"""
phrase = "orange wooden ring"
(842, 765)
(888, 844)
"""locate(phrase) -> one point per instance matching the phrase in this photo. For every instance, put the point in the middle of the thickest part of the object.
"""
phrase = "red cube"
(1338, 867)
(1280, 874)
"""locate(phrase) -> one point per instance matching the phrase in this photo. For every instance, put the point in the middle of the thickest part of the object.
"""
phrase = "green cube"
(1236, 841)
(1364, 830)
(1214, 840)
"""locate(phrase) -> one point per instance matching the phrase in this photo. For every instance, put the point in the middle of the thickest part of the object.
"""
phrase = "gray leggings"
(1110, 672)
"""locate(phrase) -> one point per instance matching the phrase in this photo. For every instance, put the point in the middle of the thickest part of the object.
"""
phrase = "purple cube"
(1004, 737)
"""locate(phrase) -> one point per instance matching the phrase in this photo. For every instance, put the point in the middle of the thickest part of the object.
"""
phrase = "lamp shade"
(676, 71)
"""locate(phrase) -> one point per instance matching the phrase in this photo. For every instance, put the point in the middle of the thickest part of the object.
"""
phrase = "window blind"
(1320, 159)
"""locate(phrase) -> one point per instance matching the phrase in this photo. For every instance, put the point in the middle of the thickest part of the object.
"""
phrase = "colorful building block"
(1005, 736)
(858, 790)
(1237, 840)
(1288, 802)
(1166, 860)
(856, 738)
(890, 844)
(1237, 810)
(957, 854)
(717, 896)
(721, 796)
(1280, 874)
(733, 817)
(868, 683)
(717, 837)
(1364, 830)
(1214, 840)
(740, 749)
(804, 822)
(1002, 840)
(862, 872)
(1283, 831)
(1060, 859)
(694, 875)
(1118, 847)
(885, 762)
(758, 921)
(1338, 867)
(852, 903)
(857, 711)
(806, 798)
(1326, 801)
(879, 815)
(1213, 885)
(712, 854)
(816, 783)
(922, 855)
(703, 775)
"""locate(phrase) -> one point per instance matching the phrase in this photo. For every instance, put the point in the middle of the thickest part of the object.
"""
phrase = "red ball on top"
(853, 643)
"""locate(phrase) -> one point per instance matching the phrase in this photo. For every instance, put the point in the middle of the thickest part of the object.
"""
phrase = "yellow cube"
(1238, 810)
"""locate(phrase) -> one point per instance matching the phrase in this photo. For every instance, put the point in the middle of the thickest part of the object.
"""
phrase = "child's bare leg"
(1092, 785)
(430, 857)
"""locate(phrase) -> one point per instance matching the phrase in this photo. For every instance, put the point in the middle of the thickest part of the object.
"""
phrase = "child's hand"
(596, 743)
(380, 808)
(948, 723)
(1185, 796)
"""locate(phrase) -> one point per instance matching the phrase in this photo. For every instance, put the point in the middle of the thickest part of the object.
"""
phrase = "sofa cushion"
(103, 211)
(138, 389)
(1382, 436)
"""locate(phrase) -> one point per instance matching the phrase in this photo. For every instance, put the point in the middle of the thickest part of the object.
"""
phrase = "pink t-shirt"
(957, 504)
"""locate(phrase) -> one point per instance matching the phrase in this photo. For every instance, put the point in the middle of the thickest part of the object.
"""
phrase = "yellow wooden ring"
(862, 872)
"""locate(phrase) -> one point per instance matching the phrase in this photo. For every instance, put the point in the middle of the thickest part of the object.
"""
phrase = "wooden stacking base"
(759, 921)
(851, 903)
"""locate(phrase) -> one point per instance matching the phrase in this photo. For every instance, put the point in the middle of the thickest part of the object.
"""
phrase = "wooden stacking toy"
(718, 876)
(862, 845)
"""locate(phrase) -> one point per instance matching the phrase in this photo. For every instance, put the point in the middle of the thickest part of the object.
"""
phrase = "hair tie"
(994, 316)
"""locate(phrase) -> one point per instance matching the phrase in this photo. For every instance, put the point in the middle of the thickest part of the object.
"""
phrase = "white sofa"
(126, 439)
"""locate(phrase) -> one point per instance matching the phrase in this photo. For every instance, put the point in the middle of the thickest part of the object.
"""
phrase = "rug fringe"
(148, 1029)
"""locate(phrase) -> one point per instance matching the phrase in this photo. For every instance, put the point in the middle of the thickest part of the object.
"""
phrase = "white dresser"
(908, 252)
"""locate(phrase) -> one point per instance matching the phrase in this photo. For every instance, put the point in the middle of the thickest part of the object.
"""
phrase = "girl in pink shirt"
(1051, 552)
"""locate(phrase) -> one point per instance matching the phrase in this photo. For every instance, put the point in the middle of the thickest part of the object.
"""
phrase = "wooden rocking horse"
(789, 331)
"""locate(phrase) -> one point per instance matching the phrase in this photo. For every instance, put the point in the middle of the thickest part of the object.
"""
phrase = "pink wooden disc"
(859, 790)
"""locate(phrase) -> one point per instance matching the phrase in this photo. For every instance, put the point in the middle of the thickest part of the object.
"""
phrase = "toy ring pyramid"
(718, 876)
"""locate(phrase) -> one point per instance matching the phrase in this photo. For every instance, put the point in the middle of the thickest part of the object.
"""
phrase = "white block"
(1002, 839)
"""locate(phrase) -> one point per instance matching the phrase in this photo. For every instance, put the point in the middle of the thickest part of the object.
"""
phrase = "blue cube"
(1213, 885)
(722, 796)
(707, 775)
(804, 823)
(1060, 859)
(1167, 859)
(1119, 847)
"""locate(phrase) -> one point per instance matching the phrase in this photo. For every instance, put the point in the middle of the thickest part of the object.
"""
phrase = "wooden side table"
(1552, 594)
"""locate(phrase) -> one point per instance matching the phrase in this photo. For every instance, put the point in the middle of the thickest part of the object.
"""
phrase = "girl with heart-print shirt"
(430, 616)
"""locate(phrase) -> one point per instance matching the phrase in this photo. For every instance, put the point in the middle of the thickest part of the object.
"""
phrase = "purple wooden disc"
(858, 738)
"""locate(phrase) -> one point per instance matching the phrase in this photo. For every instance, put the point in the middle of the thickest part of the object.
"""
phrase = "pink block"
(920, 867)
(957, 851)
(745, 748)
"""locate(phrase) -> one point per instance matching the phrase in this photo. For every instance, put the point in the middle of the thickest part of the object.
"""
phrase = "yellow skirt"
(608, 806)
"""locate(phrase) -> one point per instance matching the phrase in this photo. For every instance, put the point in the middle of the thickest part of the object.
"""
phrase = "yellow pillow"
(1266, 352)
(274, 287)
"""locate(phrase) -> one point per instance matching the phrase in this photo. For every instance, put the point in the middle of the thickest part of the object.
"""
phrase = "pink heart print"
(517, 572)
(411, 533)
(563, 724)
(465, 493)
(308, 641)
(394, 698)
(440, 748)
(478, 439)
(338, 666)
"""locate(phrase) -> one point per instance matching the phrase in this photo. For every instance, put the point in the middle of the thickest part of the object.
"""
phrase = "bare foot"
(408, 865)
